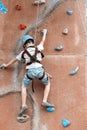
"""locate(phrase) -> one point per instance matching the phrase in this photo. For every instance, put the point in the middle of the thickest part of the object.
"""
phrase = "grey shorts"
(35, 73)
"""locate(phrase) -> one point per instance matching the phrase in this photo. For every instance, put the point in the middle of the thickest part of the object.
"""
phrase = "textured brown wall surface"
(68, 93)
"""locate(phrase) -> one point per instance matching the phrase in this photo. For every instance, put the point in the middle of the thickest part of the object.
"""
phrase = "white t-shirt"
(27, 58)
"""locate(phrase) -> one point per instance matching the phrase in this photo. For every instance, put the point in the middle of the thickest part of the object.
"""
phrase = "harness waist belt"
(33, 62)
(28, 77)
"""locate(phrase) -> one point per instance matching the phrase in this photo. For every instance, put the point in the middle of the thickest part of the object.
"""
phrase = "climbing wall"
(68, 66)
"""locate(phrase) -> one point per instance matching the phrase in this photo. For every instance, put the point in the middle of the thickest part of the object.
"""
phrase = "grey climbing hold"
(65, 31)
(23, 118)
(59, 48)
(74, 71)
(69, 12)
(2, 67)
(65, 122)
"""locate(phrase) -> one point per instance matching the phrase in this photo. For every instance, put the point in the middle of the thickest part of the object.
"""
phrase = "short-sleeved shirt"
(31, 50)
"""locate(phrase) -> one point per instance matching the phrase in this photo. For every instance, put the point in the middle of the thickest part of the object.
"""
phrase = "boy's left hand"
(3, 66)
(44, 31)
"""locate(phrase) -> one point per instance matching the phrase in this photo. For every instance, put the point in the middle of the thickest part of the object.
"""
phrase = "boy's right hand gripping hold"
(44, 32)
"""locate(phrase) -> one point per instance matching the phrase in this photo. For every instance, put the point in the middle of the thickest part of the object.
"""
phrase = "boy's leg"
(45, 103)
(46, 92)
(24, 97)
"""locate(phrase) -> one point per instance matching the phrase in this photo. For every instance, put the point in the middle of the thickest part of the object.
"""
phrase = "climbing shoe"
(22, 110)
(47, 104)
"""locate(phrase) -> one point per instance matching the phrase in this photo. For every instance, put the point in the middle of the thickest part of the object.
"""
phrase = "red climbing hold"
(22, 27)
(18, 7)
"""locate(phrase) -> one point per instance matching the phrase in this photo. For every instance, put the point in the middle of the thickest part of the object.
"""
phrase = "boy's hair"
(28, 41)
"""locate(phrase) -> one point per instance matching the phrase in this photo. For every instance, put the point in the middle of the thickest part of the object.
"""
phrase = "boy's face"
(28, 43)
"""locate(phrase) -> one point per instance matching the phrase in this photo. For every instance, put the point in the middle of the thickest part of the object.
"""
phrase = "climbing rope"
(86, 15)
(80, 13)
(37, 17)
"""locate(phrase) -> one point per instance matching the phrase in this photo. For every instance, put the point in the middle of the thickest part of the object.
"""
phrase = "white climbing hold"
(65, 31)
(59, 48)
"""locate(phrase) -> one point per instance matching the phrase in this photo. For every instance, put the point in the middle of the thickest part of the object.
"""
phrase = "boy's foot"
(39, 2)
(47, 104)
(23, 109)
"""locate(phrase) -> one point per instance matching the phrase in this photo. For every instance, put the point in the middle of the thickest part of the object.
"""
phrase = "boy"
(32, 56)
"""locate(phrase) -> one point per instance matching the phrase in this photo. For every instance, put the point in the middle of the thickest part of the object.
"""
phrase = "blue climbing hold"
(65, 122)
(69, 12)
(3, 8)
(50, 109)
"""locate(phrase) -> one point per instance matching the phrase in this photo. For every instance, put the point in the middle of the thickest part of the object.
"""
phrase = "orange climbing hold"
(22, 27)
(18, 7)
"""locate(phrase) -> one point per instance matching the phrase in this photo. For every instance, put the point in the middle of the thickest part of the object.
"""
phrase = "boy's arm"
(44, 34)
(10, 62)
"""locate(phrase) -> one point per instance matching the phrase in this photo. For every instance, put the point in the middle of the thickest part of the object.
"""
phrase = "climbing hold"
(65, 122)
(50, 109)
(18, 7)
(3, 8)
(59, 48)
(22, 27)
(74, 71)
(23, 118)
(69, 12)
(2, 67)
(65, 31)
(39, 2)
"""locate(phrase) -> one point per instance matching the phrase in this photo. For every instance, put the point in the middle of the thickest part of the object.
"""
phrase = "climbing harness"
(80, 13)
(32, 60)
(34, 57)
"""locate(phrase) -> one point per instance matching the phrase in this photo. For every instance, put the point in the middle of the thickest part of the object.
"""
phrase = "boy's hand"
(3, 66)
(44, 31)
